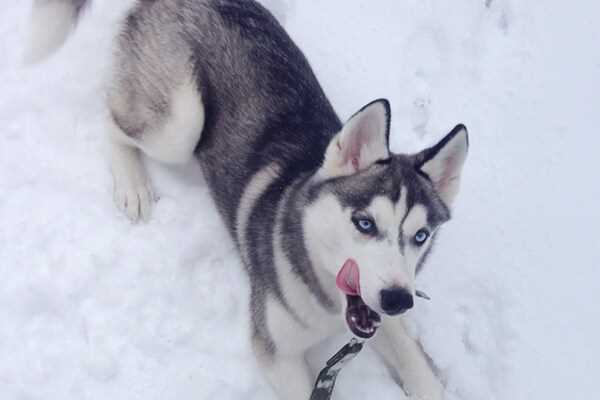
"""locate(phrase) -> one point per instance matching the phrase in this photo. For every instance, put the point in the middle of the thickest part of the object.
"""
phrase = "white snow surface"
(93, 307)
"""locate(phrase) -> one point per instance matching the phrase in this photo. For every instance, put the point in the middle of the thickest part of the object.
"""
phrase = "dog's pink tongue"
(348, 279)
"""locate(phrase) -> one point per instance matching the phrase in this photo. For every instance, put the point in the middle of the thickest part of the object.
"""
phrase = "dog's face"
(373, 215)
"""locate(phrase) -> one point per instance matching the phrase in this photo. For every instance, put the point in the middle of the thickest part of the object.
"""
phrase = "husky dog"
(331, 226)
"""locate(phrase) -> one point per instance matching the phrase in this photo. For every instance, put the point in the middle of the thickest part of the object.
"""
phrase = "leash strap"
(326, 379)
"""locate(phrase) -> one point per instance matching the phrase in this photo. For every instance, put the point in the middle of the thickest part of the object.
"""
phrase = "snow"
(93, 307)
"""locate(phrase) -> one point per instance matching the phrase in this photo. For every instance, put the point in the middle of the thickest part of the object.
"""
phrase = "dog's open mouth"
(361, 319)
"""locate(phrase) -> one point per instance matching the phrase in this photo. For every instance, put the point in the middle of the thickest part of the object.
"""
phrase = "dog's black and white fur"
(300, 191)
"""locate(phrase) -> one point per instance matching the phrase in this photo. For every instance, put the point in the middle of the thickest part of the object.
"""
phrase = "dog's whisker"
(422, 294)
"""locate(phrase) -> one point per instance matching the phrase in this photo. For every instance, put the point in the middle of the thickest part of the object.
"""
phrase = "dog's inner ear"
(443, 163)
(362, 141)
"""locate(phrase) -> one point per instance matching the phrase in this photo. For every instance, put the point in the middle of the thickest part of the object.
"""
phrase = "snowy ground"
(92, 307)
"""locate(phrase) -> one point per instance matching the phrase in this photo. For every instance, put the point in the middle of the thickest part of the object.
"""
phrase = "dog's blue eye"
(421, 236)
(365, 225)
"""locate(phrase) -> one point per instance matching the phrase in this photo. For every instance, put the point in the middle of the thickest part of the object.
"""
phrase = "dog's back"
(263, 102)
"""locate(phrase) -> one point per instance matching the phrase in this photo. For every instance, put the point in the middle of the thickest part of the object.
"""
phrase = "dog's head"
(373, 215)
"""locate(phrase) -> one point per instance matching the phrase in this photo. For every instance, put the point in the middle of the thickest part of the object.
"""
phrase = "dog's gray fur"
(260, 110)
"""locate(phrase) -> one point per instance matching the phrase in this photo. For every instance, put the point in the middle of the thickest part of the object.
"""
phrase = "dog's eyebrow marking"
(403, 209)
(389, 215)
(380, 210)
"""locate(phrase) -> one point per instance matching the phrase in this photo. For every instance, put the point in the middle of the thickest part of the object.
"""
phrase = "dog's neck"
(308, 267)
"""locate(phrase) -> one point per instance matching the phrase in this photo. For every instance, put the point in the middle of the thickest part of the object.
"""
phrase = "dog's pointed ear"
(362, 141)
(443, 163)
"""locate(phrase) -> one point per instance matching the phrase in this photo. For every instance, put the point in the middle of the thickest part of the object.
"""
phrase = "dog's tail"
(50, 25)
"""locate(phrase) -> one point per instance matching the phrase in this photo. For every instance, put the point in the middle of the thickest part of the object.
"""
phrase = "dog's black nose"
(396, 300)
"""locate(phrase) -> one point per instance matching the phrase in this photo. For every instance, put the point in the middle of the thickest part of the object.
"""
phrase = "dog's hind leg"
(132, 187)
(155, 104)
(169, 137)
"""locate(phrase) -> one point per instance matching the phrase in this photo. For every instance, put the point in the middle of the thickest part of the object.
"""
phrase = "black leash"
(326, 379)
